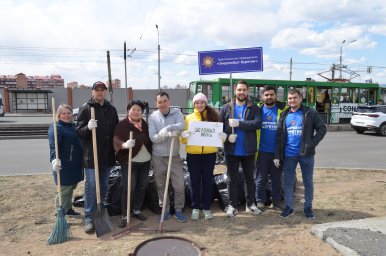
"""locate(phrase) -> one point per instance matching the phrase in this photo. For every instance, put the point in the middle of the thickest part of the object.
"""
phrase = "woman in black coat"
(70, 157)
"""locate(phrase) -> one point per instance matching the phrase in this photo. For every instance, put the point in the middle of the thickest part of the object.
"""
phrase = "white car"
(370, 118)
(1, 110)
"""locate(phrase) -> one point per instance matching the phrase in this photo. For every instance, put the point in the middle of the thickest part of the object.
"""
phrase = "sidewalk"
(355, 237)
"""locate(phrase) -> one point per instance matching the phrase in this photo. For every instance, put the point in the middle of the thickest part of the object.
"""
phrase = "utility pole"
(340, 59)
(109, 74)
(124, 56)
(290, 69)
(159, 61)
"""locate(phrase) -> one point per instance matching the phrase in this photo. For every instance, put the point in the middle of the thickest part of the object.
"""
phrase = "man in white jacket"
(164, 124)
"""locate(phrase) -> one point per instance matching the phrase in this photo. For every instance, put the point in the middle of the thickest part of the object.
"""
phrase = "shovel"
(101, 217)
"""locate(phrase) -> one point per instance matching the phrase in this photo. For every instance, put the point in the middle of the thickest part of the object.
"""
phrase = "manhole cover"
(168, 246)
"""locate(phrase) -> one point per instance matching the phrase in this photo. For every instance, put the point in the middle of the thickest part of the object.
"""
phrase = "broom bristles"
(61, 231)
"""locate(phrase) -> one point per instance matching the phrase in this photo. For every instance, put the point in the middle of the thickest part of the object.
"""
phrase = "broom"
(61, 231)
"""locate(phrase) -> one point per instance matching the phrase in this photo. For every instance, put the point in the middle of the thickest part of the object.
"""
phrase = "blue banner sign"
(230, 61)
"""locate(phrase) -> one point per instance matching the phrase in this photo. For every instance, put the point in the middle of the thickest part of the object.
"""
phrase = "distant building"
(31, 82)
(72, 85)
(116, 83)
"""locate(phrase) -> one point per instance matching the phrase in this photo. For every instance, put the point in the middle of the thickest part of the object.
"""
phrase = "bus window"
(207, 89)
(335, 95)
(363, 96)
(372, 98)
(323, 99)
(352, 94)
(349, 95)
(259, 93)
(310, 96)
(280, 93)
(251, 95)
(226, 94)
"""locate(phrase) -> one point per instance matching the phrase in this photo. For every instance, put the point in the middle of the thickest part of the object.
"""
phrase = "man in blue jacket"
(241, 118)
(299, 131)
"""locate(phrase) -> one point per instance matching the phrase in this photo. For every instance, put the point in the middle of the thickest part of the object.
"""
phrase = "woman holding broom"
(141, 155)
(69, 163)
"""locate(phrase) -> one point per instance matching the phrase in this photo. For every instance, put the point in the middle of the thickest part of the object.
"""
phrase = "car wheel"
(382, 130)
(360, 131)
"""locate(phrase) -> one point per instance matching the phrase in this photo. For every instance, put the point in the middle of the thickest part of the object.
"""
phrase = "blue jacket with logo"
(250, 123)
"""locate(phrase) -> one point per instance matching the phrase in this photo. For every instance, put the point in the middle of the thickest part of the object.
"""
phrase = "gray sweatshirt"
(173, 122)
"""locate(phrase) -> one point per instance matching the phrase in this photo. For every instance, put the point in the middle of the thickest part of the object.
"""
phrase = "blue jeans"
(90, 200)
(289, 169)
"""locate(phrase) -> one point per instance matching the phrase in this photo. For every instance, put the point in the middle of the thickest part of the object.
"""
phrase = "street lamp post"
(159, 61)
(340, 58)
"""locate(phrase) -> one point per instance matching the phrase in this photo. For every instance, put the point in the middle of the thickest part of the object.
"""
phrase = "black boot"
(123, 222)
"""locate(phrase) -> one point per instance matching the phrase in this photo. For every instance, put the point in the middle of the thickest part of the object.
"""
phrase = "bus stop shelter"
(29, 100)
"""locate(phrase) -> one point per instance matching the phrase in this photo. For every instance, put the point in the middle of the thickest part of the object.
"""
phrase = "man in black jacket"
(106, 118)
(241, 118)
(299, 131)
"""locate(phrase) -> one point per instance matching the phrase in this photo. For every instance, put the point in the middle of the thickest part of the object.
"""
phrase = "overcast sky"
(71, 37)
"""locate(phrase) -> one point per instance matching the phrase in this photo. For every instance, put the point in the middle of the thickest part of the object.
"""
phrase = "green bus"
(344, 97)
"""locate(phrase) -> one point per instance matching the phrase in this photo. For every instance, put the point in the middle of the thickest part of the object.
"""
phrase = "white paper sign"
(205, 133)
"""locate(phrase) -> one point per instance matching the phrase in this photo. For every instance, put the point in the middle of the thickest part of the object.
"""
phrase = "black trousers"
(139, 181)
(248, 166)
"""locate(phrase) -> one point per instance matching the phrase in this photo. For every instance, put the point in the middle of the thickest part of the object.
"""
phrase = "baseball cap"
(99, 84)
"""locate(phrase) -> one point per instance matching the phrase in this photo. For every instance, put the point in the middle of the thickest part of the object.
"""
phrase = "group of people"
(264, 139)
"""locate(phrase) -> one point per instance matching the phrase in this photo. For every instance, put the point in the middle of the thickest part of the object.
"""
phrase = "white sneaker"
(231, 211)
(253, 209)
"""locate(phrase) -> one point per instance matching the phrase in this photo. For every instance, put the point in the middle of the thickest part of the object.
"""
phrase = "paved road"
(351, 150)
(338, 149)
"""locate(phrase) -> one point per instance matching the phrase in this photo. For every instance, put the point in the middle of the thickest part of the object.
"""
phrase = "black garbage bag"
(114, 189)
(151, 197)
(78, 201)
(221, 190)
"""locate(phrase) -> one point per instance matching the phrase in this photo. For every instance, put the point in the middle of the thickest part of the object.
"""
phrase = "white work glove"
(185, 134)
(128, 144)
(234, 123)
(162, 134)
(276, 162)
(56, 165)
(222, 136)
(232, 138)
(92, 124)
(173, 134)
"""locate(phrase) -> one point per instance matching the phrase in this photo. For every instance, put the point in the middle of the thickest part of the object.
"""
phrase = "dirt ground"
(27, 218)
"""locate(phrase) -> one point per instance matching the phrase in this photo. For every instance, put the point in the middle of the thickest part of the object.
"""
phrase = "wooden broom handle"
(56, 150)
(129, 182)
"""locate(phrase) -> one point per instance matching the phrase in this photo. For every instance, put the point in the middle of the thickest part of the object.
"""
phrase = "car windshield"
(372, 109)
